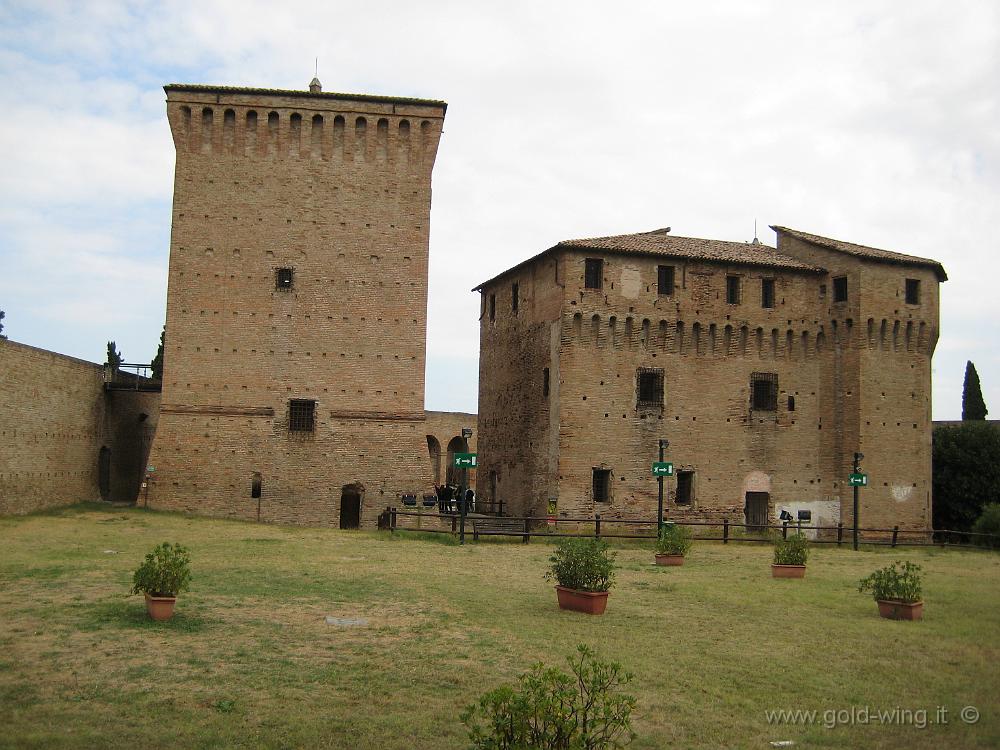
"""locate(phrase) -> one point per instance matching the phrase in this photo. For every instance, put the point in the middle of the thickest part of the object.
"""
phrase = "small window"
(283, 279)
(685, 487)
(732, 290)
(493, 307)
(840, 289)
(602, 485)
(764, 391)
(665, 280)
(913, 291)
(767, 292)
(514, 296)
(255, 485)
(301, 415)
(593, 274)
(649, 387)
(791, 403)
(545, 382)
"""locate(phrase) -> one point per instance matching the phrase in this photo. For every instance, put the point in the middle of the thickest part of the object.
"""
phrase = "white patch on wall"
(631, 283)
(821, 513)
(901, 492)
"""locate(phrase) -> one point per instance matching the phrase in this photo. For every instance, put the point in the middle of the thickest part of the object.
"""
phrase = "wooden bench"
(498, 526)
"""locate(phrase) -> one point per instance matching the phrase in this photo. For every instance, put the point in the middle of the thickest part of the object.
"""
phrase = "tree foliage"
(2, 316)
(966, 473)
(973, 405)
(157, 364)
(114, 356)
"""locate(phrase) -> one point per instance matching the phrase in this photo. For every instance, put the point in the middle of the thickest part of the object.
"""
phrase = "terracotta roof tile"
(203, 88)
(865, 252)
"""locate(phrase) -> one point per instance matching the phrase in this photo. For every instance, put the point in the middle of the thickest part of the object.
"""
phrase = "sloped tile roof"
(865, 252)
(203, 88)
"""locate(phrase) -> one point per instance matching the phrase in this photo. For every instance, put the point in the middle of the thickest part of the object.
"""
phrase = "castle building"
(297, 306)
(765, 368)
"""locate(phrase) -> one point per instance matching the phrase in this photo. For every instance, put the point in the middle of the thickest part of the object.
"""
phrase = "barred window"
(840, 289)
(685, 487)
(764, 391)
(283, 279)
(665, 280)
(602, 485)
(767, 292)
(301, 415)
(732, 290)
(593, 273)
(913, 291)
(649, 387)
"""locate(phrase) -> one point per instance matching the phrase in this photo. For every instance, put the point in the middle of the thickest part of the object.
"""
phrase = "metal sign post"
(660, 470)
(464, 461)
(857, 480)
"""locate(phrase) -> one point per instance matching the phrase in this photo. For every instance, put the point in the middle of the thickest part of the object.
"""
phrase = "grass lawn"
(249, 660)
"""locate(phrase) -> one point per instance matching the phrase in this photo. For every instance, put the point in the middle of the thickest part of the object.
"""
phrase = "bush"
(791, 551)
(988, 523)
(548, 708)
(165, 571)
(582, 564)
(892, 584)
(966, 460)
(673, 540)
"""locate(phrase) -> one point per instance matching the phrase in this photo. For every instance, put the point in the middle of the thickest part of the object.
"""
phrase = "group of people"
(450, 497)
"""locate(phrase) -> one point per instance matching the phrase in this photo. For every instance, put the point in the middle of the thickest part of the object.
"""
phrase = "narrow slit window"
(665, 281)
(840, 289)
(301, 415)
(493, 307)
(764, 391)
(732, 290)
(649, 387)
(283, 279)
(545, 382)
(515, 293)
(791, 403)
(913, 291)
(602, 485)
(767, 292)
(593, 273)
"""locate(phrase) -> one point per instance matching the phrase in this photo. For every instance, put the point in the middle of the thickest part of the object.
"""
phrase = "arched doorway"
(434, 449)
(455, 445)
(350, 506)
(104, 473)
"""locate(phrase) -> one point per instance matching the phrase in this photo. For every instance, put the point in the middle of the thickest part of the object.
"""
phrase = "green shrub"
(548, 708)
(892, 584)
(165, 571)
(582, 564)
(988, 523)
(673, 540)
(791, 551)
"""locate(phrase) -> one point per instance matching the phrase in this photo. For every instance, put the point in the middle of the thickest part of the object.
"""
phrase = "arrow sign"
(858, 480)
(663, 469)
(465, 460)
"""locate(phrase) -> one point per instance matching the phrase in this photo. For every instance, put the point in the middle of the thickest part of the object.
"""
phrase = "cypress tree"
(157, 364)
(973, 405)
(114, 356)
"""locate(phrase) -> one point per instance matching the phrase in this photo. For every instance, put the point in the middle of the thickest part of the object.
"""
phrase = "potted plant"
(790, 555)
(584, 570)
(672, 544)
(163, 574)
(896, 590)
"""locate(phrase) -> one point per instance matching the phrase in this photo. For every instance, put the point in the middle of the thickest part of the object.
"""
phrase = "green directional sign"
(465, 460)
(663, 469)
(858, 480)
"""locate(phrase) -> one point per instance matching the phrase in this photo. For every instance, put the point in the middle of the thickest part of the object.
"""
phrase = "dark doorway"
(756, 511)
(350, 506)
(457, 444)
(104, 473)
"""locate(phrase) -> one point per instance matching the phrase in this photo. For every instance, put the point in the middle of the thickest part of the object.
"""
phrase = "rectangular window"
(685, 487)
(767, 292)
(840, 289)
(732, 290)
(913, 291)
(493, 307)
(593, 274)
(301, 415)
(764, 391)
(545, 382)
(649, 387)
(514, 296)
(665, 280)
(283, 279)
(602, 485)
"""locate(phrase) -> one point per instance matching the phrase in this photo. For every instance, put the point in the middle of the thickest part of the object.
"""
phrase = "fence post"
(527, 531)
(895, 533)
(725, 531)
(392, 519)
(597, 525)
(840, 533)
(784, 529)
(454, 524)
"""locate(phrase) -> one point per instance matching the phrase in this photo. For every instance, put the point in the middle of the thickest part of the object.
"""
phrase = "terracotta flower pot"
(669, 559)
(160, 607)
(788, 571)
(590, 602)
(896, 610)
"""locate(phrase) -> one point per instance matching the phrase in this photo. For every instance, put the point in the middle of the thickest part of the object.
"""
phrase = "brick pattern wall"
(336, 193)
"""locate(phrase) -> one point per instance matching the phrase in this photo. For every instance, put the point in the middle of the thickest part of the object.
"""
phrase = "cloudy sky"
(873, 122)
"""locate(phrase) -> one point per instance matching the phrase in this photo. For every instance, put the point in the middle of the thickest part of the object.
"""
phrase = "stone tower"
(296, 304)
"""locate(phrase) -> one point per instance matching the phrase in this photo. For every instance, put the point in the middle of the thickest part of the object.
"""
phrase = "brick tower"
(296, 304)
